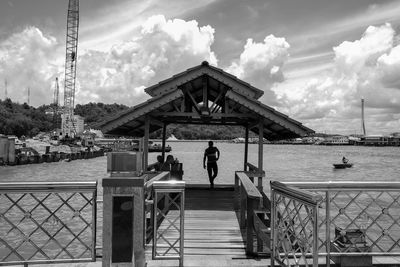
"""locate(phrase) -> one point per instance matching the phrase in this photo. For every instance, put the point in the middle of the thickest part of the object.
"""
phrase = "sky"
(314, 59)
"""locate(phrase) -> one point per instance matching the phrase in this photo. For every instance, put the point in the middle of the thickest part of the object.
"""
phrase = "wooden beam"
(146, 142)
(193, 100)
(217, 99)
(260, 152)
(246, 147)
(175, 107)
(155, 121)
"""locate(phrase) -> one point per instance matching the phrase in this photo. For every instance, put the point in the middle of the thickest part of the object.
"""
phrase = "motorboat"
(342, 165)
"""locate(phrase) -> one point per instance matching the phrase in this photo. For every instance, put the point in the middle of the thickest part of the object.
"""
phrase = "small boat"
(342, 165)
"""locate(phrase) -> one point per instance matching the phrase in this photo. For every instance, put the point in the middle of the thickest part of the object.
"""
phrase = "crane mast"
(55, 104)
(68, 127)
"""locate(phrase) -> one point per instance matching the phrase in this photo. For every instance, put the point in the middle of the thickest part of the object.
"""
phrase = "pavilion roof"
(204, 95)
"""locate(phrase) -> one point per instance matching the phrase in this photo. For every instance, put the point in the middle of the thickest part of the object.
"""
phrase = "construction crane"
(68, 127)
(55, 104)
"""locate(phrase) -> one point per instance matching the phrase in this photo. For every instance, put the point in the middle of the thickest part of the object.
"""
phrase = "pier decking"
(212, 232)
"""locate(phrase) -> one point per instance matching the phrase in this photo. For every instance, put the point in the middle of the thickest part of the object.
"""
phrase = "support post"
(164, 136)
(249, 226)
(260, 153)
(146, 143)
(246, 148)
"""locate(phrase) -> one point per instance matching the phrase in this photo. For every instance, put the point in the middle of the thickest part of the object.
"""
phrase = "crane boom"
(68, 127)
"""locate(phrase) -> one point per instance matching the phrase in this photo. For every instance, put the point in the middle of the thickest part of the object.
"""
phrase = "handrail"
(254, 171)
(158, 177)
(296, 193)
(47, 186)
(250, 189)
(340, 185)
(248, 198)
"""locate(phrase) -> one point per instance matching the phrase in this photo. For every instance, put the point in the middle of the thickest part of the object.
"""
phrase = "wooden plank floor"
(212, 233)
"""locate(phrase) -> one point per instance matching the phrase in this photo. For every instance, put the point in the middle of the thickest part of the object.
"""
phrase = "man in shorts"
(212, 156)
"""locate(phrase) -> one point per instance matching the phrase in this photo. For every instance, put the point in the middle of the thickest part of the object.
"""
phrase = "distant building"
(337, 140)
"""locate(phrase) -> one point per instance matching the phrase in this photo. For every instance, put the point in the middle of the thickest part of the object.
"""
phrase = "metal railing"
(47, 222)
(357, 218)
(294, 226)
(168, 237)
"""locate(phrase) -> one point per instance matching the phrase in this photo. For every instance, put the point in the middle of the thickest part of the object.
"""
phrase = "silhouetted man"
(212, 155)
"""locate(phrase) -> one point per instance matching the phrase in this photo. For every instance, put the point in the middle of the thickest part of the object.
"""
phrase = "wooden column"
(164, 136)
(246, 148)
(260, 152)
(146, 143)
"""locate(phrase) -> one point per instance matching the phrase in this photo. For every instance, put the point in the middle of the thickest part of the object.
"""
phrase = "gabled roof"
(226, 78)
(180, 100)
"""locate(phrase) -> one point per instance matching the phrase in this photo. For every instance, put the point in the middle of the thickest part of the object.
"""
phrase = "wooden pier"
(212, 233)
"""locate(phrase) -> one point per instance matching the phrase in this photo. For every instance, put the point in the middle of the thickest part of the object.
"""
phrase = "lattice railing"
(294, 226)
(358, 218)
(168, 237)
(47, 222)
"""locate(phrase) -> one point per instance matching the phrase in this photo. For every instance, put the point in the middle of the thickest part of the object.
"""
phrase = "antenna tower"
(29, 95)
(68, 127)
(362, 117)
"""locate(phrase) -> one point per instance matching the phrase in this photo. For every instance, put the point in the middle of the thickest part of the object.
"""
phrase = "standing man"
(212, 155)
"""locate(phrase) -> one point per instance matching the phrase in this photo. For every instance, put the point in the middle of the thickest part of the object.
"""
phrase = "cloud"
(163, 48)
(29, 59)
(365, 68)
(261, 64)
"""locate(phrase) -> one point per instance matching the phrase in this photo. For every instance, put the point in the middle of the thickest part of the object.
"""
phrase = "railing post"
(123, 211)
(242, 207)
(237, 194)
(328, 228)
(251, 203)
(273, 226)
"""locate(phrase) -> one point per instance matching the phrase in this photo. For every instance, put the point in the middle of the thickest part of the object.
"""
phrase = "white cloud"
(29, 59)
(366, 68)
(164, 48)
(261, 64)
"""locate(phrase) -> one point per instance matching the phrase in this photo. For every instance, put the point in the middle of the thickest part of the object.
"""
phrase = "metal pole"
(328, 227)
(273, 226)
(182, 228)
(315, 237)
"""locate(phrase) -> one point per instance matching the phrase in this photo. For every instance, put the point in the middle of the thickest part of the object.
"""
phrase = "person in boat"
(344, 160)
(212, 155)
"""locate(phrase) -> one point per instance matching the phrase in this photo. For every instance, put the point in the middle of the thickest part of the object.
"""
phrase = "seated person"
(344, 160)
(166, 166)
(158, 165)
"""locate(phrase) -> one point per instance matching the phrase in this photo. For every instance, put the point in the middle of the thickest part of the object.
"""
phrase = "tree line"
(24, 120)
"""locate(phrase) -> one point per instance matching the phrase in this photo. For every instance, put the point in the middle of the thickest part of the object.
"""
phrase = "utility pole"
(29, 96)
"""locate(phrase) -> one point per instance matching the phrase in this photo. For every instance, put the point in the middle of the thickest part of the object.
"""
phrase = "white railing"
(47, 222)
(357, 219)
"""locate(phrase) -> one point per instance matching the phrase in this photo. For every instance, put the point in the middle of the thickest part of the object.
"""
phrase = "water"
(281, 162)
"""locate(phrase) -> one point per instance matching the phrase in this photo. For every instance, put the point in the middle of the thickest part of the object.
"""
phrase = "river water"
(281, 162)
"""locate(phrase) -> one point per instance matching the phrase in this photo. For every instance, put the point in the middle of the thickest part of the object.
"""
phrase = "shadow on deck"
(212, 232)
